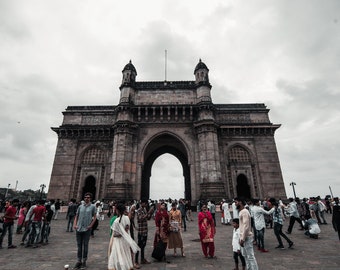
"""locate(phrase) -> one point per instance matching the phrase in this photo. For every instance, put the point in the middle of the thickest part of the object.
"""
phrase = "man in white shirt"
(294, 215)
(235, 211)
(226, 213)
(260, 224)
(246, 236)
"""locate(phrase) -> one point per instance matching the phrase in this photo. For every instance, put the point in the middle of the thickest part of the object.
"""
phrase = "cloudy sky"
(282, 53)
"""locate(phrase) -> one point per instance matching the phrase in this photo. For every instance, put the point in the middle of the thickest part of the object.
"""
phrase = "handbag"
(159, 250)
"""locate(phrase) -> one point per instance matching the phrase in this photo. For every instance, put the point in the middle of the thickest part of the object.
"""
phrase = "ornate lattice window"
(94, 156)
(238, 154)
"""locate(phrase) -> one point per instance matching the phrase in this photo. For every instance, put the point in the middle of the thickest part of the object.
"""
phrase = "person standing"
(131, 215)
(278, 224)
(336, 215)
(162, 226)
(83, 223)
(8, 225)
(175, 236)
(212, 210)
(226, 213)
(121, 243)
(236, 245)
(37, 216)
(322, 210)
(98, 217)
(246, 236)
(207, 230)
(71, 213)
(57, 206)
(22, 215)
(143, 215)
(235, 210)
(182, 208)
(260, 224)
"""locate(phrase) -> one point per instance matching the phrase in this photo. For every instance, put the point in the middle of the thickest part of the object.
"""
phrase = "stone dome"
(130, 66)
(200, 65)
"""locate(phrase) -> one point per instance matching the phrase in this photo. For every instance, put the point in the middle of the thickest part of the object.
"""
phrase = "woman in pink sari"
(207, 232)
(22, 215)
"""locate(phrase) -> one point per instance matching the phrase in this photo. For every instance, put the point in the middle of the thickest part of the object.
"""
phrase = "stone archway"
(195, 130)
(243, 188)
(158, 146)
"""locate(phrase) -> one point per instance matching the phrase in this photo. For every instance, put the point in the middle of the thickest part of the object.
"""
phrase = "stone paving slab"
(322, 253)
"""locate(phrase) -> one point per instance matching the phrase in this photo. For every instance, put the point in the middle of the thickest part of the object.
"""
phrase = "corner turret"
(129, 74)
(201, 73)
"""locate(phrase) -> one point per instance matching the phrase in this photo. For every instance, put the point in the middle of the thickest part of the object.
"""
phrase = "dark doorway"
(90, 186)
(243, 189)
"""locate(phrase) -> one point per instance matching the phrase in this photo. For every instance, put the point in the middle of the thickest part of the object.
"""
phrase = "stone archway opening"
(166, 179)
(243, 188)
(90, 186)
(165, 144)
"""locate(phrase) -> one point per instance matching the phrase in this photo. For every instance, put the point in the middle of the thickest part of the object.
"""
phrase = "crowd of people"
(249, 218)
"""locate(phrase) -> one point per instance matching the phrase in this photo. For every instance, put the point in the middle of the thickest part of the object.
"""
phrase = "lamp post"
(293, 184)
(42, 190)
(7, 190)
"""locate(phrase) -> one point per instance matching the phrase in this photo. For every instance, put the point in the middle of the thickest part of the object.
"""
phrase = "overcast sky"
(282, 53)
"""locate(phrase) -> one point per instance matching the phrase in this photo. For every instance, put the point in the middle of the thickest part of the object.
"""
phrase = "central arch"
(165, 143)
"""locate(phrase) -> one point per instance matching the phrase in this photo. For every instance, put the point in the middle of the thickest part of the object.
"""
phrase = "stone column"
(123, 167)
(210, 166)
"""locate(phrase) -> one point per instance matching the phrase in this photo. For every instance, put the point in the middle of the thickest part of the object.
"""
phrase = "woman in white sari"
(122, 246)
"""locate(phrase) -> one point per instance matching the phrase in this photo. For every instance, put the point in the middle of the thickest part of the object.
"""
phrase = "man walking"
(294, 215)
(246, 236)
(83, 222)
(9, 217)
(278, 223)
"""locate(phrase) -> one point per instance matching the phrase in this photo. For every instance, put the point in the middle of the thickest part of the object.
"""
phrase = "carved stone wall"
(225, 150)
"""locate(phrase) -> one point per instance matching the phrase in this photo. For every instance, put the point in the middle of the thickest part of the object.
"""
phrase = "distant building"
(226, 150)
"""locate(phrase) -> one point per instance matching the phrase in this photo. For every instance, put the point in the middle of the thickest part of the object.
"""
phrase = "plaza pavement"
(322, 253)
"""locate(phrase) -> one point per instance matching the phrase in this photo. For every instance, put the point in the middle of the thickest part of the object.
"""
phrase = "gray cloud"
(279, 53)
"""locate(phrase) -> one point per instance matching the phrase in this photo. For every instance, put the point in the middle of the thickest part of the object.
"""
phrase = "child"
(236, 245)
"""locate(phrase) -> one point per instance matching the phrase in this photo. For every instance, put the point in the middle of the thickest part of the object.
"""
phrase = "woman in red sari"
(207, 232)
(162, 226)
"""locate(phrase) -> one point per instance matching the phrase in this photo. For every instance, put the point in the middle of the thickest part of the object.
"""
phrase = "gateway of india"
(225, 150)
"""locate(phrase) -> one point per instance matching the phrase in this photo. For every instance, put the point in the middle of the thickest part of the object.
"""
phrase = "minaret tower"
(206, 132)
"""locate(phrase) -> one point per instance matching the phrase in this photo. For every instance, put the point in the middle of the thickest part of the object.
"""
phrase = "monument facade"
(225, 150)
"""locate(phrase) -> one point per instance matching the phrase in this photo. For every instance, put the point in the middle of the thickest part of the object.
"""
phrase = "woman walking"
(175, 236)
(121, 243)
(207, 232)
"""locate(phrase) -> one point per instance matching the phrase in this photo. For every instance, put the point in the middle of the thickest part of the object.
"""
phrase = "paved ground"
(322, 253)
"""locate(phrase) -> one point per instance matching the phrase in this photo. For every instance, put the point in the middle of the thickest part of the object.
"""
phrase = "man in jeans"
(246, 236)
(143, 215)
(37, 216)
(8, 224)
(83, 222)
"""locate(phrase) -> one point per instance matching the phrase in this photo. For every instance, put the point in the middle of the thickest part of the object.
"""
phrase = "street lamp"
(293, 184)
(7, 190)
(42, 190)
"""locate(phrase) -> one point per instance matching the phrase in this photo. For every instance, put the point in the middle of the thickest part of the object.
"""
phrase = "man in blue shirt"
(83, 222)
